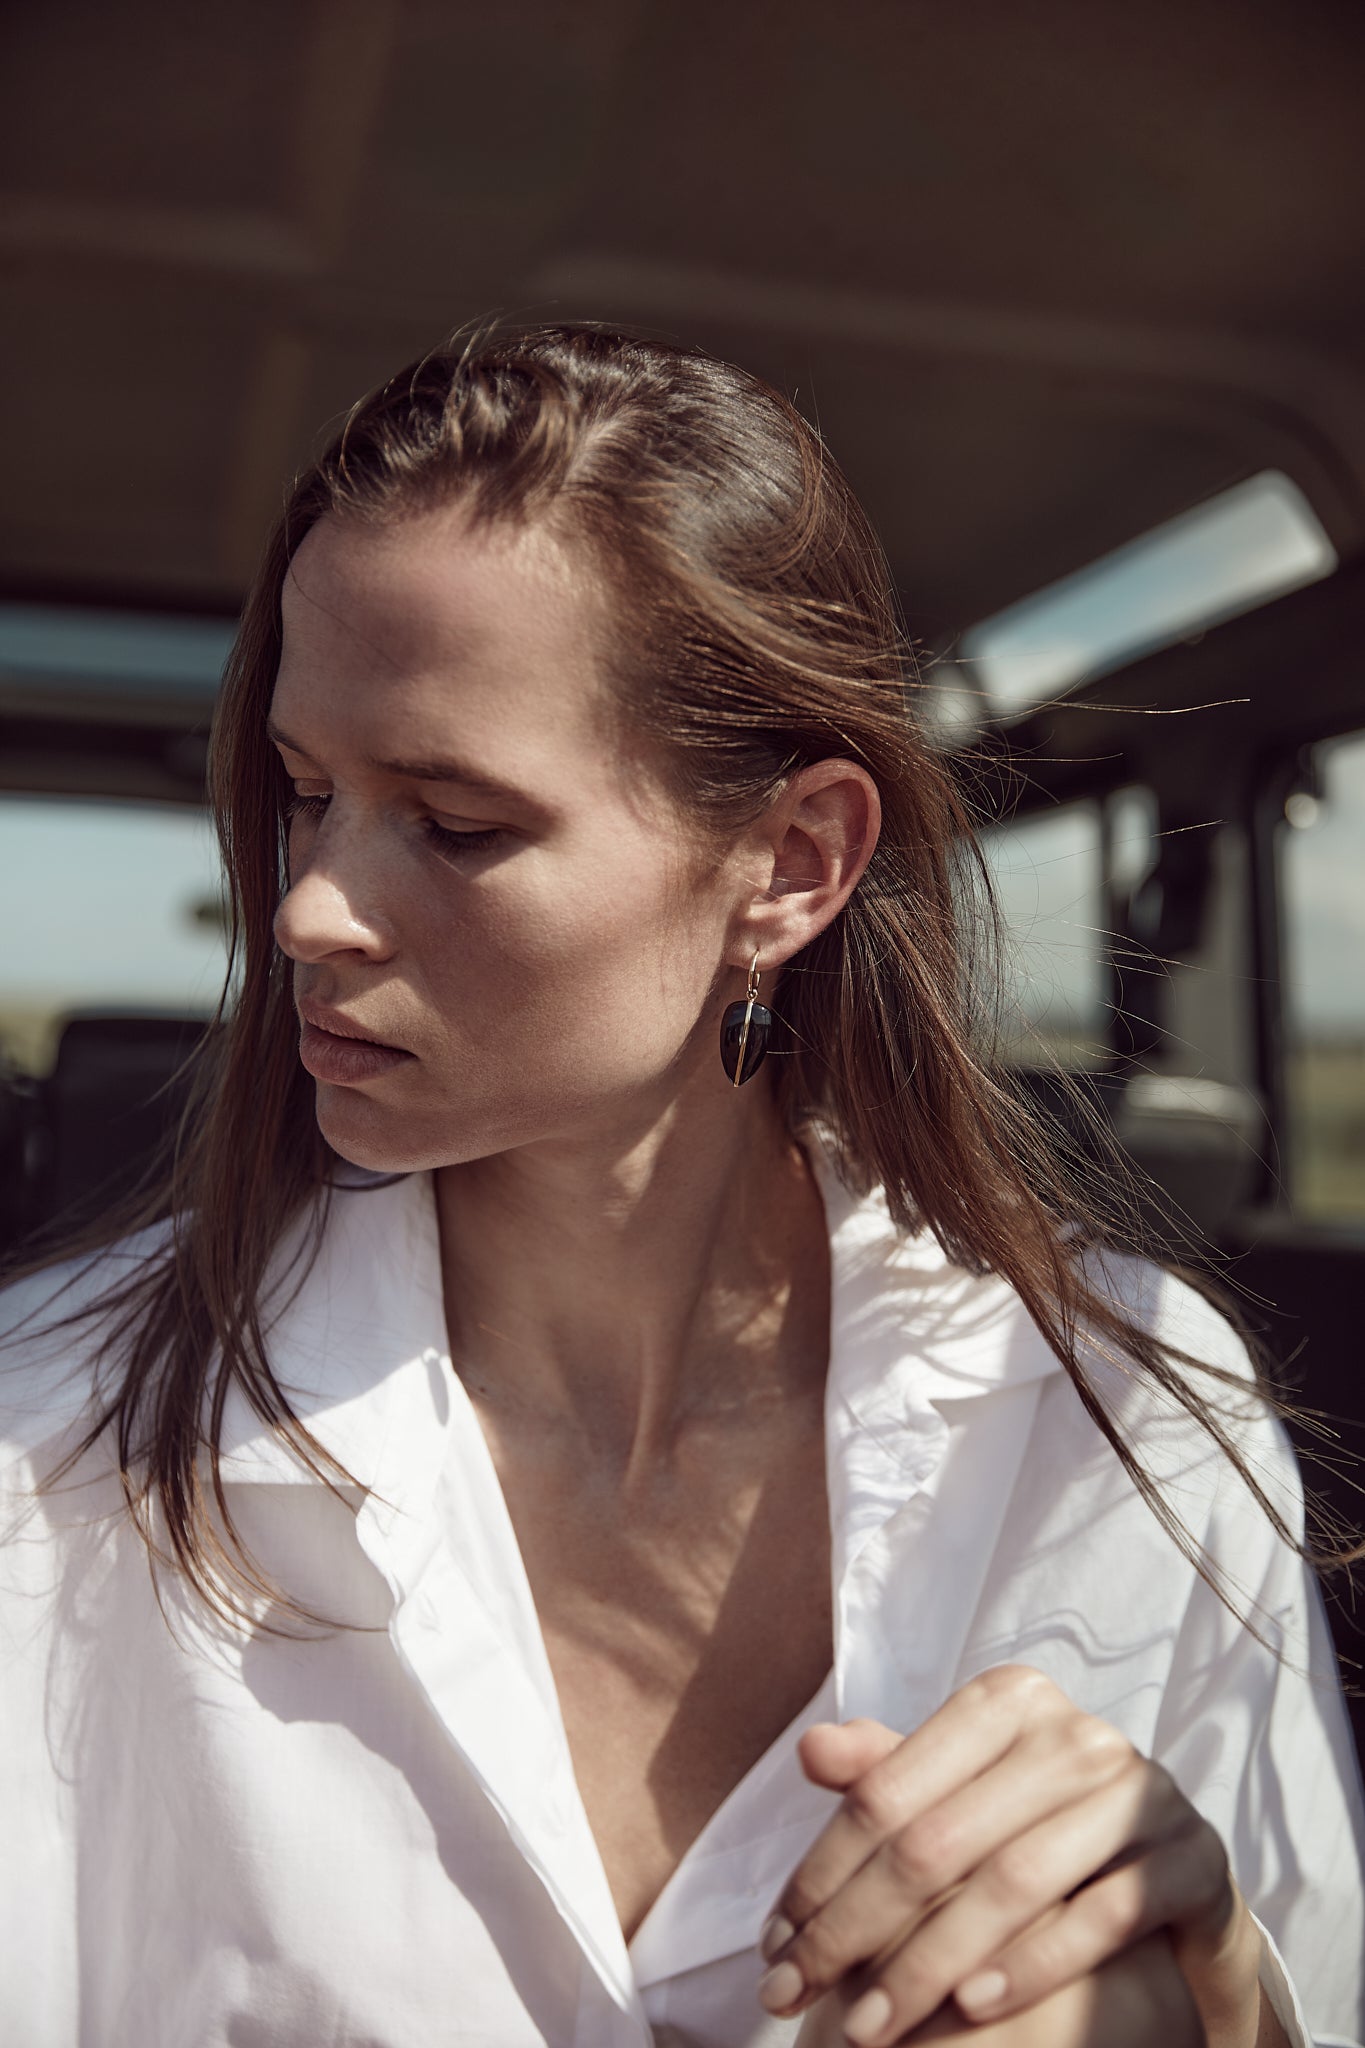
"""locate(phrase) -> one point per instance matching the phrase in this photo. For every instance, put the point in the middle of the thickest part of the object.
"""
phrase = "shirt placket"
(465, 1630)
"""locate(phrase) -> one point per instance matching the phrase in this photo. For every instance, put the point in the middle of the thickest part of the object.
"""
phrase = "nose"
(329, 908)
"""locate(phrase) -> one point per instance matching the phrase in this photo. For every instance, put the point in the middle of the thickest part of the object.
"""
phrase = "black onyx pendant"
(745, 1030)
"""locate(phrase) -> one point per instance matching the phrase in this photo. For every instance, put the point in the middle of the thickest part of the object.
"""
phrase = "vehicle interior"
(1073, 294)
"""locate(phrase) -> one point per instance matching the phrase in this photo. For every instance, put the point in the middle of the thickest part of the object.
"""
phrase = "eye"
(444, 837)
(450, 841)
(300, 806)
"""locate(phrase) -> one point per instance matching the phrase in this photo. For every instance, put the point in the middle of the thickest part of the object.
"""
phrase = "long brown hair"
(758, 631)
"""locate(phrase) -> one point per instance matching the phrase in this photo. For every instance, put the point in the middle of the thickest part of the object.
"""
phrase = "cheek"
(545, 995)
(578, 964)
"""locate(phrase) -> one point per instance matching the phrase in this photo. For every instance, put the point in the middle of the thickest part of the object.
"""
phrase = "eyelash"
(441, 836)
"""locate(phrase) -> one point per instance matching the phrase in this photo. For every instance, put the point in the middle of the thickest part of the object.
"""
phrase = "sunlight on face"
(478, 875)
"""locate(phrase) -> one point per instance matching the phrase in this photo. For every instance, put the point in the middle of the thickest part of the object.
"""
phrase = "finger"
(834, 1753)
(1183, 1877)
(911, 1873)
(1007, 1893)
(1131, 2001)
(970, 1732)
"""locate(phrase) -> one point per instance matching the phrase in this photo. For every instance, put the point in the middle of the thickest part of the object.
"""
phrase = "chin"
(364, 1134)
(368, 1134)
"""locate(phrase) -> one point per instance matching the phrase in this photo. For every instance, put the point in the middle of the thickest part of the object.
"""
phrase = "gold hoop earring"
(745, 1030)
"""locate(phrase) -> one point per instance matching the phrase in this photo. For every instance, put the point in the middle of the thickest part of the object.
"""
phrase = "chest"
(686, 1627)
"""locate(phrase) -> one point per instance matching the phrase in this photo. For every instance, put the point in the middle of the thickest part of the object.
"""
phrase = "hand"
(1131, 2001)
(1006, 1849)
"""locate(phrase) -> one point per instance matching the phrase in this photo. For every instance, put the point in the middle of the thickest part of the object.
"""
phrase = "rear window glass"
(1047, 872)
(49, 651)
(104, 906)
(1322, 894)
(1254, 542)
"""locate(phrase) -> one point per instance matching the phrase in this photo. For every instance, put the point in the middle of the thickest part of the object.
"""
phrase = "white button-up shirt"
(374, 1837)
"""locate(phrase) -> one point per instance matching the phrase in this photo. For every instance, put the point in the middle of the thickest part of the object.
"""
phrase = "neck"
(631, 1284)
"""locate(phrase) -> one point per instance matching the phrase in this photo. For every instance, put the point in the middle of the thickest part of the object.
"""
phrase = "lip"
(336, 1024)
(332, 1048)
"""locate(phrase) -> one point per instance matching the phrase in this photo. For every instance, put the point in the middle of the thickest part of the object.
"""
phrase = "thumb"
(837, 1753)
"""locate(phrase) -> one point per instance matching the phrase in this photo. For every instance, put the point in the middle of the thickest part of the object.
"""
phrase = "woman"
(665, 1521)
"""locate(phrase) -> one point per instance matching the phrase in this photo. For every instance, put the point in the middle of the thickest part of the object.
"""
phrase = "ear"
(811, 849)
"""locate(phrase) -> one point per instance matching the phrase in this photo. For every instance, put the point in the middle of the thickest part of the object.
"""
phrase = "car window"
(48, 652)
(1235, 551)
(1322, 896)
(1047, 872)
(103, 905)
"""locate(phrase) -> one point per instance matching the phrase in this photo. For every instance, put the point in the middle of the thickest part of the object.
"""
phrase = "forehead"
(427, 629)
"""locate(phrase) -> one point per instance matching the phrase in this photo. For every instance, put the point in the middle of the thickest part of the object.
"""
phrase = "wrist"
(1225, 1980)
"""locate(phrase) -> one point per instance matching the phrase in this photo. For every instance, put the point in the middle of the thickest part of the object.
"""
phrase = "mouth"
(335, 1048)
(335, 1024)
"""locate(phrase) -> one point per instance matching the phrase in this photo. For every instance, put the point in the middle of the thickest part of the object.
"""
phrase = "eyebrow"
(431, 770)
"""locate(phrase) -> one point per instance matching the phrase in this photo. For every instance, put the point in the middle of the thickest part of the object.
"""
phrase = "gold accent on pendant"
(752, 993)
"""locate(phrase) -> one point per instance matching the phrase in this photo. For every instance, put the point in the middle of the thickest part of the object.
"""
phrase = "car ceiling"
(1044, 274)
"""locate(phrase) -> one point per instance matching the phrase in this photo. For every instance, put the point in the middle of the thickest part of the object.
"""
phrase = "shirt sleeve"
(1253, 1726)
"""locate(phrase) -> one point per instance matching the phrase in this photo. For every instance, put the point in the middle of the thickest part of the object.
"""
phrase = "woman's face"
(479, 877)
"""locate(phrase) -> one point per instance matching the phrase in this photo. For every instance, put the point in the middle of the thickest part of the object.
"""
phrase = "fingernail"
(981, 1992)
(781, 1988)
(869, 2018)
(777, 1932)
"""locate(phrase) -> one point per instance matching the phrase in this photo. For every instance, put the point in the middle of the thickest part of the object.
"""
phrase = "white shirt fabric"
(374, 1838)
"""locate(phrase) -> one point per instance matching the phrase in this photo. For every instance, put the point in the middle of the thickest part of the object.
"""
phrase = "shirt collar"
(359, 1344)
(908, 1322)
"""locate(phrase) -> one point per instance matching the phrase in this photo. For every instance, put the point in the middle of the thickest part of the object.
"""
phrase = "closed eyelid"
(305, 787)
(451, 827)
(284, 746)
(437, 773)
